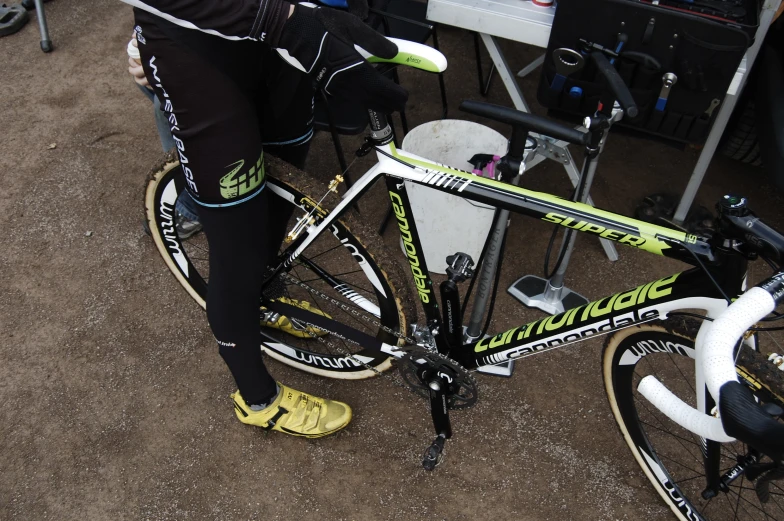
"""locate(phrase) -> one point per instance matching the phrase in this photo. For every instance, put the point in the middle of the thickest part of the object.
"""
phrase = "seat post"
(336, 142)
(441, 86)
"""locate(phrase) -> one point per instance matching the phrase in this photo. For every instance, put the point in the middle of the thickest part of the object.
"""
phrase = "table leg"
(531, 67)
(505, 72)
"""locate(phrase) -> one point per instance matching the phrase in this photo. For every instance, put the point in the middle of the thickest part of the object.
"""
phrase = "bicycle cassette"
(419, 367)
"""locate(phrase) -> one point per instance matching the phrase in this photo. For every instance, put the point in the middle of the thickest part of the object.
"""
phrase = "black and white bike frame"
(691, 289)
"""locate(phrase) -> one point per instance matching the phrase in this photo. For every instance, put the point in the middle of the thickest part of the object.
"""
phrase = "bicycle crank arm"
(452, 321)
(439, 410)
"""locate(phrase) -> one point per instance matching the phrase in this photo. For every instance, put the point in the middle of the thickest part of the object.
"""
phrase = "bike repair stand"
(550, 295)
(490, 264)
(14, 17)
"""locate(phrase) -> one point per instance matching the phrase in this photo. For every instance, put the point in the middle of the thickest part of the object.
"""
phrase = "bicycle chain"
(462, 378)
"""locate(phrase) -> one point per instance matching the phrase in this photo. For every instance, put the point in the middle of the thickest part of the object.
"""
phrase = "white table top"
(518, 20)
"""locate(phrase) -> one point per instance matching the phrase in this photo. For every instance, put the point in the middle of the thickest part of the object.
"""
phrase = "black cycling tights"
(243, 239)
(224, 99)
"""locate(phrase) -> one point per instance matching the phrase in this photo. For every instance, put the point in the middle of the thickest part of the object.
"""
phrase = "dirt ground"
(115, 402)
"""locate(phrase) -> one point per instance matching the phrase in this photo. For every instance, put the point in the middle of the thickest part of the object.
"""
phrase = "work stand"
(549, 295)
(14, 17)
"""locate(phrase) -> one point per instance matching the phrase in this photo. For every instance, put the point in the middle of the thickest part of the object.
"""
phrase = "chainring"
(462, 391)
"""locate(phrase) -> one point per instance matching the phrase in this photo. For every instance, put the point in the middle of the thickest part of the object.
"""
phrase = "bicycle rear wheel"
(671, 456)
(336, 275)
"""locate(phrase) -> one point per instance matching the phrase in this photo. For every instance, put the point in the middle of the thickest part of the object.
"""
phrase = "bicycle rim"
(671, 456)
(335, 276)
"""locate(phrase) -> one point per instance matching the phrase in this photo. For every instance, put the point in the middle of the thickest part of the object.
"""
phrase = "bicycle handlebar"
(741, 416)
(616, 84)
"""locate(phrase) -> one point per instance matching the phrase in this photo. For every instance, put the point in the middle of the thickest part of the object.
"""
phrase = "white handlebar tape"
(718, 361)
(718, 365)
(684, 415)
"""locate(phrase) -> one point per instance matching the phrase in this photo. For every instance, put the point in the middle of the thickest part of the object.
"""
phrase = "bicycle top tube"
(544, 206)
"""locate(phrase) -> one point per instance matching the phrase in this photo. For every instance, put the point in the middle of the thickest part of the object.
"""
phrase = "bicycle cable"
(495, 287)
(574, 196)
(709, 319)
(704, 268)
(561, 253)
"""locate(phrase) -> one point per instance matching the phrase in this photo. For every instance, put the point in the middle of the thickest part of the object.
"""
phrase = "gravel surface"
(115, 402)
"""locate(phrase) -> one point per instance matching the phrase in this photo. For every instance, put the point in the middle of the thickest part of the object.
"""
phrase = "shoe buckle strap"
(240, 410)
(274, 420)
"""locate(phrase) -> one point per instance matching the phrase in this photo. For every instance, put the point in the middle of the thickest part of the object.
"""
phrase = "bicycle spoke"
(685, 379)
(311, 257)
(680, 439)
(746, 502)
(705, 508)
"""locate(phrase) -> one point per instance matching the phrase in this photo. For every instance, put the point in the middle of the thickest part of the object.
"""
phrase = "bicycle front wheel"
(337, 276)
(676, 461)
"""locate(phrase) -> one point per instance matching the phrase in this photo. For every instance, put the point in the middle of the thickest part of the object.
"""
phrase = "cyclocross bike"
(699, 409)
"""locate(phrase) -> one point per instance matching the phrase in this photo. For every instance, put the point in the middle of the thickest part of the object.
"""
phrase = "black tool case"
(703, 51)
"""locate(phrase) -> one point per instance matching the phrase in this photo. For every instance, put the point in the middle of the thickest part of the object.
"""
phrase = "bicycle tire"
(670, 456)
(384, 288)
(740, 139)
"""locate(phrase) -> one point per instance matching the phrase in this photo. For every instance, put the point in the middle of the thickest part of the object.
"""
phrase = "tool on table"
(567, 62)
(668, 80)
(638, 57)
(622, 39)
(713, 104)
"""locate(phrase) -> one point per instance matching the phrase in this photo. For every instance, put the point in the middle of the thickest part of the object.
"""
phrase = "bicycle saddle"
(412, 54)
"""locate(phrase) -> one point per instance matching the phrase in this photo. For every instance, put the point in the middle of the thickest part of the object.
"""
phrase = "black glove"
(321, 43)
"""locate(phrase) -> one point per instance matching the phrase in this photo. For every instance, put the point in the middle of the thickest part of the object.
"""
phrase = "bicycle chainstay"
(415, 368)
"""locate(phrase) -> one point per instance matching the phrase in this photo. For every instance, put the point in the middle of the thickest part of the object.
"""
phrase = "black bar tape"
(744, 419)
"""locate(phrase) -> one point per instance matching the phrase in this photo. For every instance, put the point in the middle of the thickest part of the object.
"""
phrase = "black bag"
(702, 51)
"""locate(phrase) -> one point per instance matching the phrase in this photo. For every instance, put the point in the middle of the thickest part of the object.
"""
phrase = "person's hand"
(320, 42)
(135, 67)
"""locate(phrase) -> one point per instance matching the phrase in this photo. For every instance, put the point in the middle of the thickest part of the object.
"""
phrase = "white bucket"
(446, 223)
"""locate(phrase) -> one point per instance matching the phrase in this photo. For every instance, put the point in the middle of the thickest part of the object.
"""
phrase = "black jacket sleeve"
(260, 20)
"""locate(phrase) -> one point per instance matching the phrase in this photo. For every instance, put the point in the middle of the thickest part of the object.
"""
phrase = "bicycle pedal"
(434, 454)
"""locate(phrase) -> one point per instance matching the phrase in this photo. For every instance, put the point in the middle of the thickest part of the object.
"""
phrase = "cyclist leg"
(207, 86)
(285, 113)
(213, 124)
